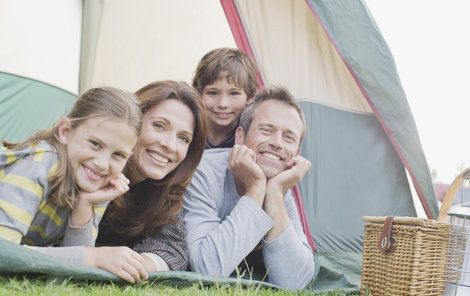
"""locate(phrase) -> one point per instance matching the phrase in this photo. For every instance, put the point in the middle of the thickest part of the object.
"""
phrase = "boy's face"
(224, 102)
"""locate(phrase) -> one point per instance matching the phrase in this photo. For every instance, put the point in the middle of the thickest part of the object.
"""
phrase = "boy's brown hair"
(228, 63)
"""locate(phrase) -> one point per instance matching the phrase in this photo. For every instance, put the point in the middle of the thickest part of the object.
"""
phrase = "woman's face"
(167, 131)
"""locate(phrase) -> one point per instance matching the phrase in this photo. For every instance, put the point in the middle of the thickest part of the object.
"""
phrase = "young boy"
(226, 80)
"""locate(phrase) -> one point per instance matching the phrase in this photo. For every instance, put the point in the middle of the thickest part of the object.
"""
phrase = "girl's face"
(224, 102)
(167, 131)
(97, 149)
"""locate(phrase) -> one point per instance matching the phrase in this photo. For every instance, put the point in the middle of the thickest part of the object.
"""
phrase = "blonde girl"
(55, 185)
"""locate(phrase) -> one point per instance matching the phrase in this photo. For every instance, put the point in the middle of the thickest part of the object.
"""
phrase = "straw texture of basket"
(415, 266)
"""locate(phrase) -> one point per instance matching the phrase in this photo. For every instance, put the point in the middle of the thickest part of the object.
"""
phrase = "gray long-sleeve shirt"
(224, 227)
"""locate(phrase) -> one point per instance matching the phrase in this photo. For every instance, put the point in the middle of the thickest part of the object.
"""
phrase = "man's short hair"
(277, 93)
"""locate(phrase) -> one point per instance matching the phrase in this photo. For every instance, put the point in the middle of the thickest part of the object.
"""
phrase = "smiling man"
(239, 212)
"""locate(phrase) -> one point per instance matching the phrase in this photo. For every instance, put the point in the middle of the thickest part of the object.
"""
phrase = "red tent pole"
(241, 39)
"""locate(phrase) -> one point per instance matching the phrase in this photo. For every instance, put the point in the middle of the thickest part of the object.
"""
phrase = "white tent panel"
(299, 54)
(143, 41)
(41, 40)
(416, 201)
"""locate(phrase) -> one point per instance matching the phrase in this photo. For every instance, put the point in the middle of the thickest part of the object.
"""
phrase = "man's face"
(274, 135)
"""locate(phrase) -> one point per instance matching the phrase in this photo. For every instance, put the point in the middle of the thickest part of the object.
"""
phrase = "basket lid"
(459, 211)
(402, 220)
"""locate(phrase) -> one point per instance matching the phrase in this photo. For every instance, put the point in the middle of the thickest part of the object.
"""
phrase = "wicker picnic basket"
(404, 256)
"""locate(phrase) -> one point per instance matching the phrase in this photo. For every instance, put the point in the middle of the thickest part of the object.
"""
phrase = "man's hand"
(297, 168)
(277, 186)
(249, 177)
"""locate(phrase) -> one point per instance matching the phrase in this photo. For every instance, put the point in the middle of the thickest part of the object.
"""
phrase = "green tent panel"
(358, 40)
(27, 105)
(349, 180)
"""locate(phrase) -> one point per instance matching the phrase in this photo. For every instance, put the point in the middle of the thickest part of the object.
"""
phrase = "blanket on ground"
(334, 271)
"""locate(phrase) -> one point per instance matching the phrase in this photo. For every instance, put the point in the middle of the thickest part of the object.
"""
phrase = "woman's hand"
(121, 261)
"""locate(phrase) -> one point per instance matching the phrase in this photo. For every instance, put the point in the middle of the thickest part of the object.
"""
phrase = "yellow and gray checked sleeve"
(22, 186)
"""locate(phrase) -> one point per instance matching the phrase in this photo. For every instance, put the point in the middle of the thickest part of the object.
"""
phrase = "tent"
(361, 136)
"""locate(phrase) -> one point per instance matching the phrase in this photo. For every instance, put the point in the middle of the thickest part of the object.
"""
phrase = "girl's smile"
(97, 149)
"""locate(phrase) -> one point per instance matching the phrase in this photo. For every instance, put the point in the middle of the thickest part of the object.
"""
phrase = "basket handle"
(450, 195)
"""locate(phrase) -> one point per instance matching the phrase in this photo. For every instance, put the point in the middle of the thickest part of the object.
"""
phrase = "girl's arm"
(82, 211)
(88, 211)
(121, 261)
(84, 235)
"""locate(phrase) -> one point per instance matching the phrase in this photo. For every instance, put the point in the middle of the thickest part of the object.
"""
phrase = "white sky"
(429, 41)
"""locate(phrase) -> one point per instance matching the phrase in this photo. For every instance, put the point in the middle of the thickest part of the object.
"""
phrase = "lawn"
(20, 285)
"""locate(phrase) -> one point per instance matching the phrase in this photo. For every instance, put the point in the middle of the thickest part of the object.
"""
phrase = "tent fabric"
(136, 44)
(41, 40)
(335, 271)
(92, 11)
(239, 34)
(28, 105)
(298, 54)
(348, 174)
(358, 40)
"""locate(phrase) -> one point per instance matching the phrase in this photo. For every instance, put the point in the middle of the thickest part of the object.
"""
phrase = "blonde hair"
(107, 102)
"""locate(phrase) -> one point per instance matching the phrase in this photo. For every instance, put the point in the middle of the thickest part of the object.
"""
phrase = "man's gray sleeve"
(216, 245)
(289, 258)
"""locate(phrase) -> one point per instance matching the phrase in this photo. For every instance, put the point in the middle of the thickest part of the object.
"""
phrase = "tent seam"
(386, 129)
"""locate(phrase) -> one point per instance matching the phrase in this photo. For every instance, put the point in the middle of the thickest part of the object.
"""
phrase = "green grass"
(41, 286)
